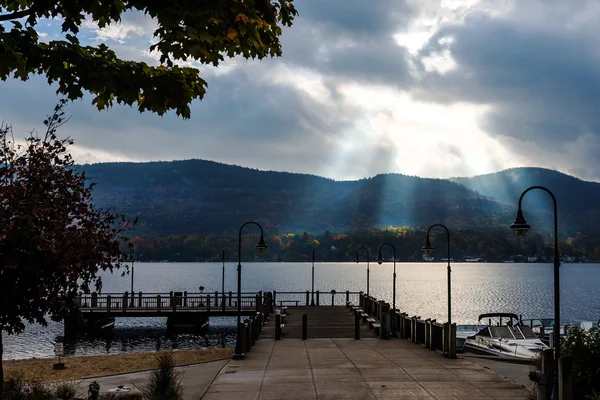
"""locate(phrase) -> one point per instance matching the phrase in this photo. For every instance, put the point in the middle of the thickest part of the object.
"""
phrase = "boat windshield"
(526, 331)
(501, 331)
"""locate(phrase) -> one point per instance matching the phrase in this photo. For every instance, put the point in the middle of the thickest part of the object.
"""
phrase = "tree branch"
(15, 15)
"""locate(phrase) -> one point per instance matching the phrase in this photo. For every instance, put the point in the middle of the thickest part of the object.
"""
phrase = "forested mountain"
(202, 197)
(192, 209)
(578, 201)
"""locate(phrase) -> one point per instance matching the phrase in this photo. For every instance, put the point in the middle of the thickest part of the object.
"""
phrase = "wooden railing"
(427, 332)
(172, 301)
(306, 298)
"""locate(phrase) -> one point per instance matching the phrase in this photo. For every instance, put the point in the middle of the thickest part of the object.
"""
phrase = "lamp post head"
(201, 288)
(261, 246)
(380, 259)
(427, 248)
(520, 226)
(357, 259)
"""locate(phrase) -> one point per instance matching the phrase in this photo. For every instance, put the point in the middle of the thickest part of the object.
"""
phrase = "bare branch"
(15, 15)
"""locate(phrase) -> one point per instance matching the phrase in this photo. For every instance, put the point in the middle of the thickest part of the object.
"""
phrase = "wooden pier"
(184, 311)
(322, 322)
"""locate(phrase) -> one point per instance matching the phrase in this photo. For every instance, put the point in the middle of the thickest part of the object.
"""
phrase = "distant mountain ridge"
(206, 197)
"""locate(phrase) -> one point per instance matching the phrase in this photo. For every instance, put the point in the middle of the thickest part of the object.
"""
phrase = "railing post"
(185, 298)
(247, 335)
(445, 338)
(413, 329)
(277, 326)
(565, 377)
(216, 299)
(427, 332)
(230, 296)
(208, 302)
(94, 301)
(357, 327)
(431, 341)
(452, 344)
(171, 298)
(224, 301)
(384, 331)
(173, 302)
(257, 305)
(158, 302)
(304, 326)
(140, 299)
(108, 303)
(347, 296)
(274, 298)
(307, 298)
(317, 297)
(125, 300)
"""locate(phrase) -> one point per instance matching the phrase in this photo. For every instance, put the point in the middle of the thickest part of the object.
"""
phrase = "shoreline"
(83, 367)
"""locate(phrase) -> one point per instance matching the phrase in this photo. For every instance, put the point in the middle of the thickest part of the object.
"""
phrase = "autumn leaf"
(231, 34)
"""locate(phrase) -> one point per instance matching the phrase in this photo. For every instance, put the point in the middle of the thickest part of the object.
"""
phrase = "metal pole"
(449, 296)
(393, 314)
(556, 328)
(449, 269)
(312, 301)
(239, 346)
(368, 272)
(223, 279)
(368, 259)
(132, 271)
(394, 333)
(239, 353)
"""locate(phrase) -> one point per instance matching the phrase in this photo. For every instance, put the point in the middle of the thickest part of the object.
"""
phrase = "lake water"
(525, 289)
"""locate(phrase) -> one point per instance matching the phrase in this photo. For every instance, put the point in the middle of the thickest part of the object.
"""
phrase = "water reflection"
(476, 288)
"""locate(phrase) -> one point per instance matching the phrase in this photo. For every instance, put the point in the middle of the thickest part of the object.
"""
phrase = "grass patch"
(40, 369)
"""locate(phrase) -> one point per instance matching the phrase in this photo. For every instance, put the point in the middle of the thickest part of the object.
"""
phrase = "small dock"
(322, 322)
(185, 312)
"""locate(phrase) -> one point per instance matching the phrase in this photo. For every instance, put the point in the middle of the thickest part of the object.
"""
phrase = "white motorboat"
(511, 339)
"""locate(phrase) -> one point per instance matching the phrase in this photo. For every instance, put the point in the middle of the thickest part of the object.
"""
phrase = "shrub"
(16, 388)
(165, 382)
(94, 391)
(66, 390)
(584, 347)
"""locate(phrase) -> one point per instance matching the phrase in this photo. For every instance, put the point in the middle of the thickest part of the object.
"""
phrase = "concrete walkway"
(195, 379)
(355, 369)
(518, 373)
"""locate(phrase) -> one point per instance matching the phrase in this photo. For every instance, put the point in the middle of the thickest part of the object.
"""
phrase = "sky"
(427, 88)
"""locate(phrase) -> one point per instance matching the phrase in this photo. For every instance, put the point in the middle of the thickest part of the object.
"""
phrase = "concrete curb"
(144, 370)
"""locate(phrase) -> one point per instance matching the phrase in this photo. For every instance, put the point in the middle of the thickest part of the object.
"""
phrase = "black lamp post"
(132, 257)
(261, 247)
(380, 261)
(223, 274)
(520, 228)
(427, 249)
(312, 296)
(358, 260)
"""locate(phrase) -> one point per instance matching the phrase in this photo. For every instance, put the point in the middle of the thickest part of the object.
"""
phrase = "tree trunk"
(1, 368)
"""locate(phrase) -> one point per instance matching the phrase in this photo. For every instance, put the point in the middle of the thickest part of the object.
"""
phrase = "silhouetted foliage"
(53, 239)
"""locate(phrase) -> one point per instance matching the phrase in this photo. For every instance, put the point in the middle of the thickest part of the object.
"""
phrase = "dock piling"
(277, 327)
(304, 326)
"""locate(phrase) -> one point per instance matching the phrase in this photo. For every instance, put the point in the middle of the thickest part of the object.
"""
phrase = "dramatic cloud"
(427, 88)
